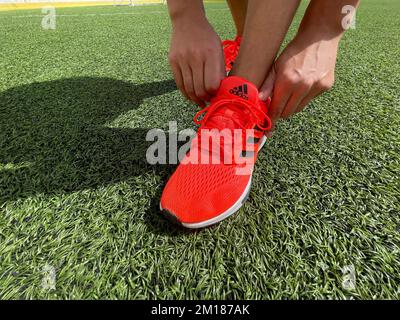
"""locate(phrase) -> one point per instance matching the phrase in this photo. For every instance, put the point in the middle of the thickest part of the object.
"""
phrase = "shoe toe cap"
(200, 200)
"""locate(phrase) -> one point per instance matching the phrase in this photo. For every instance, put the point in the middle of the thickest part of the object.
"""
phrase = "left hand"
(305, 69)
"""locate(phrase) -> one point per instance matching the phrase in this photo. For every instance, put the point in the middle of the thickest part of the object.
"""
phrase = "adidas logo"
(240, 91)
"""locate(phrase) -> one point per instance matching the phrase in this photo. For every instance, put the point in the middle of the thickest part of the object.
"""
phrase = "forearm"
(306, 68)
(324, 18)
(186, 12)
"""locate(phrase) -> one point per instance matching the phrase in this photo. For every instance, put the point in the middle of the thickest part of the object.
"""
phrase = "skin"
(239, 12)
(306, 67)
(304, 70)
(196, 56)
(256, 57)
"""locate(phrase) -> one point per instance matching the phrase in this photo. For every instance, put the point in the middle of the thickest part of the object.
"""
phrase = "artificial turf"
(76, 193)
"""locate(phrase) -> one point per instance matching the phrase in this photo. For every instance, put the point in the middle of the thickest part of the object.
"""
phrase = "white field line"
(104, 14)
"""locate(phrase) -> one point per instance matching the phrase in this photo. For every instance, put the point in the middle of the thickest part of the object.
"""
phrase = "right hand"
(304, 70)
(197, 60)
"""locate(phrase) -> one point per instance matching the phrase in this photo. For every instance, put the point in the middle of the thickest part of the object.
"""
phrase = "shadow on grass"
(53, 137)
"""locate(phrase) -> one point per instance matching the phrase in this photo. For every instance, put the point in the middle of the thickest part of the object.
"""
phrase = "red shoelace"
(231, 50)
(245, 116)
(256, 116)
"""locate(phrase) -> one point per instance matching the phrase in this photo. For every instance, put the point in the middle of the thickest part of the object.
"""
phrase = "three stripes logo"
(240, 91)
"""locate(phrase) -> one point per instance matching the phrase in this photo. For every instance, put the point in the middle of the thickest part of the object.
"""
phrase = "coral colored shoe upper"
(236, 106)
(235, 116)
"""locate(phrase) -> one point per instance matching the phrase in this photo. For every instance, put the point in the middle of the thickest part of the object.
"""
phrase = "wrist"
(325, 19)
(310, 35)
(188, 21)
(187, 14)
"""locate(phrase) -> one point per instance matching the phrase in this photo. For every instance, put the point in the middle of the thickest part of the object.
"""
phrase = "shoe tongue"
(238, 89)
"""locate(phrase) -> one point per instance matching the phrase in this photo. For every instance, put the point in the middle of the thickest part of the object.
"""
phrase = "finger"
(315, 92)
(268, 86)
(188, 83)
(294, 102)
(179, 79)
(281, 96)
(198, 82)
(214, 72)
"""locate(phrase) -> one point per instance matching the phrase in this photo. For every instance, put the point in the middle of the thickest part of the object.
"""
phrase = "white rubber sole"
(263, 141)
(238, 204)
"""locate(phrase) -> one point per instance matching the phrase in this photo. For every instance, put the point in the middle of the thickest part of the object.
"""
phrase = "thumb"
(268, 86)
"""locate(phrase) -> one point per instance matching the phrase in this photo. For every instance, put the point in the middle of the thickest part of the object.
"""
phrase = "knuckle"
(325, 85)
(307, 83)
(179, 56)
(195, 54)
(289, 78)
(209, 51)
(172, 58)
(284, 77)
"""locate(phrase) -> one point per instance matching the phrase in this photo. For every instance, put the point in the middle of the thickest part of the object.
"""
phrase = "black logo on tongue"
(240, 91)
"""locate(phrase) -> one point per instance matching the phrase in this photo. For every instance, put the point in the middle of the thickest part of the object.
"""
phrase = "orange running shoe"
(212, 183)
(231, 50)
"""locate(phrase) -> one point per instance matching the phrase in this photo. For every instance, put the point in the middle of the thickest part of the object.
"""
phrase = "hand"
(197, 60)
(305, 69)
